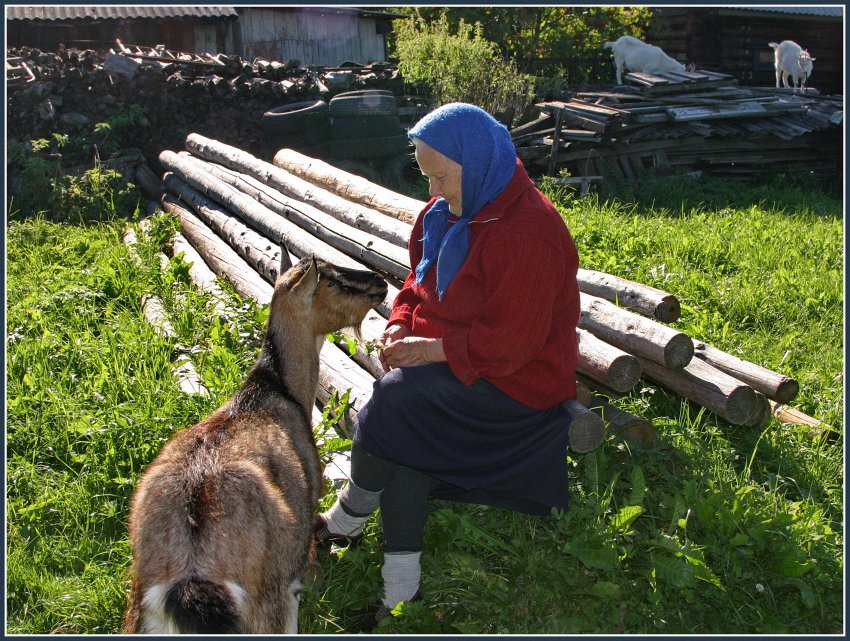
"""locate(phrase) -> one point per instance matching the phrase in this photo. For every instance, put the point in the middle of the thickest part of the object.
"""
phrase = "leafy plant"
(461, 67)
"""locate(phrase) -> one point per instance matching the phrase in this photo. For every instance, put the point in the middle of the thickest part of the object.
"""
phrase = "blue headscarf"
(475, 140)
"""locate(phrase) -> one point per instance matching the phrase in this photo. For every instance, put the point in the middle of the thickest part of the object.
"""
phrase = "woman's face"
(443, 174)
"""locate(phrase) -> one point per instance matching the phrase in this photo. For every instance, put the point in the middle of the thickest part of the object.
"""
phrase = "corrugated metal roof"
(105, 12)
(823, 11)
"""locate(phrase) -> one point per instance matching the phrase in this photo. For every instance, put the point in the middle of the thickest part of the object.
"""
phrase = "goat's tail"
(773, 45)
(608, 45)
(198, 606)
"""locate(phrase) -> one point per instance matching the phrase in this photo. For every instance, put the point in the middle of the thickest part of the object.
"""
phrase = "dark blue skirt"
(482, 445)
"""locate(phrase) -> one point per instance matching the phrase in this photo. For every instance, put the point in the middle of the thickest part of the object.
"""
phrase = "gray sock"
(401, 573)
(351, 510)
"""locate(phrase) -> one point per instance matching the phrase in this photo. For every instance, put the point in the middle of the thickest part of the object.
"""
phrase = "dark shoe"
(325, 540)
(367, 619)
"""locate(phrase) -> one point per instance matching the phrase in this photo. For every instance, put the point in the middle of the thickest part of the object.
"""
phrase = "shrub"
(461, 67)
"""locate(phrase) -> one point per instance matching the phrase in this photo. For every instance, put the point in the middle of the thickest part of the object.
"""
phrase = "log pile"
(684, 122)
(245, 216)
(221, 96)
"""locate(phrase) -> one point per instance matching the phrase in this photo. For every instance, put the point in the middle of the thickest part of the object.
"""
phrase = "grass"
(717, 530)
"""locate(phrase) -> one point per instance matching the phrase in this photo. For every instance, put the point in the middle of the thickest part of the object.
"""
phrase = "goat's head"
(325, 297)
(804, 60)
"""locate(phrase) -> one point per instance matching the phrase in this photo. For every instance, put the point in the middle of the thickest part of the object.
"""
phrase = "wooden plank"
(559, 114)
(734, 110)
(541, 121)
(637, 165)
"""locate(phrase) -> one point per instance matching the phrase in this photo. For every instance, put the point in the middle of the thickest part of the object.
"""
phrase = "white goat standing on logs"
(635, 55)
(794, 61)
(221, 521)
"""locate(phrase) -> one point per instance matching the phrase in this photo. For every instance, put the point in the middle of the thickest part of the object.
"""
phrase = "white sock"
(401, 573)
(341, 522)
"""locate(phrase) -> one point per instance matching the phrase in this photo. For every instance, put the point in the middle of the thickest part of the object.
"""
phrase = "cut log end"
(668, 310)
(762, 411)
(679, 351)
(624, 373)
(786, 391)
(587, 430)
(741, 405)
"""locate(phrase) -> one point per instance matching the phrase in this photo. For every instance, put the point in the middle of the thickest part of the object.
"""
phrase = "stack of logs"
(248, 218)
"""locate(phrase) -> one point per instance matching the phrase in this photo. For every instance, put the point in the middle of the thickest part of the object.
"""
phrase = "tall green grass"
(717, 530)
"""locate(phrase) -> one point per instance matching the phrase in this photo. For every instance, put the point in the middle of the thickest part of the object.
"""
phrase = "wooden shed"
(325, 36)
(192, 29)
(734, 40)
(313, 35)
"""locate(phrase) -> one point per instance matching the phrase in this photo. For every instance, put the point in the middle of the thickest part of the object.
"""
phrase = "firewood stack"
(687, 122)
(248, 219)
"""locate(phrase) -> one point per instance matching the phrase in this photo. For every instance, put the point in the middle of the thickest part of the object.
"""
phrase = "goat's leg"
(292, 600)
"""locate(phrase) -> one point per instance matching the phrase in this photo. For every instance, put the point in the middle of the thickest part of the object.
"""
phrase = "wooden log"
(356, 243)
(778, 387)
(256, 250)
(269, 222)
(352, 213)
(371, 328)
(760, 413)
(296, 240)
(635, 334)
(149, 182)
(640, 298)
(605, 363)
(732, 400)
(587, 430)
(156, 316)
(223, 260)
(349, 186)
(338, 374)
(201, 275)
(625, 425)
(597, 387)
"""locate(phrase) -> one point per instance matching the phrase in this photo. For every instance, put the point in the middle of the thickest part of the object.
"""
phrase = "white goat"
(634, 55)
(794, 61)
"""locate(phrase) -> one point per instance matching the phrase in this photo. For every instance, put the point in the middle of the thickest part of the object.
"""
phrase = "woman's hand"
(392, 333)
(412, 350)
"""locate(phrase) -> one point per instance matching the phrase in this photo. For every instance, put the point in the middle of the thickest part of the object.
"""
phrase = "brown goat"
(221, 521)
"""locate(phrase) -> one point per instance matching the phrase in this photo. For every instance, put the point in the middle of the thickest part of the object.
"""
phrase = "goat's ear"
(285, 262)
(303, 289)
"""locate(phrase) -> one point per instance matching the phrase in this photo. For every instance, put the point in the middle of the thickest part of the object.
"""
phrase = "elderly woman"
(480, 351)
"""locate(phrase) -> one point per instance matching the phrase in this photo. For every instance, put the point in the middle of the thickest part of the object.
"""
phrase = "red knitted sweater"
(510, 314)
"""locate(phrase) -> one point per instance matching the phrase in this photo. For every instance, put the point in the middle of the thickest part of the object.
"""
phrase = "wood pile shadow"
(247, 219)
(685, 122)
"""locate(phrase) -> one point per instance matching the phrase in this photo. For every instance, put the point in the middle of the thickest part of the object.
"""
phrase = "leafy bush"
(37, 182)
(562, 43)
(461, 67)
(99, 194)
